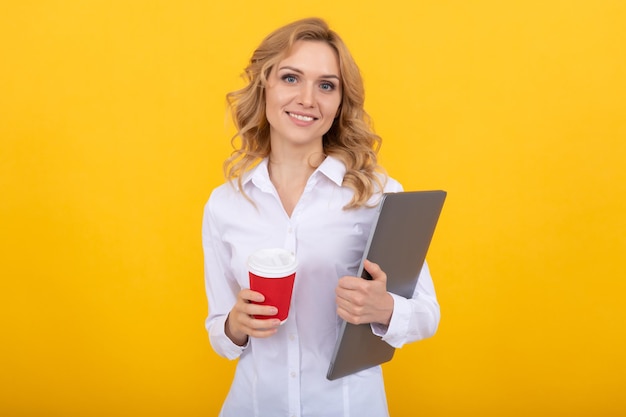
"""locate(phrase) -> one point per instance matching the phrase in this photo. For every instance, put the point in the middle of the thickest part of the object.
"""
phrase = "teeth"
(300, 117)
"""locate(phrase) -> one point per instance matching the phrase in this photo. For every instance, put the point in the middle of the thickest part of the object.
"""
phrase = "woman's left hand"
(365, 301)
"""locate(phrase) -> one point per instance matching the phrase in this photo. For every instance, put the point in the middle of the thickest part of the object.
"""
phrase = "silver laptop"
(398, 242)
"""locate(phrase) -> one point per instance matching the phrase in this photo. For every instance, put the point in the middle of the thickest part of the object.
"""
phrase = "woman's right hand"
(241, 322)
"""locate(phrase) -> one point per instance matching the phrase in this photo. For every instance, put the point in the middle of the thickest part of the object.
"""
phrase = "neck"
(290, 176)
(294, 169)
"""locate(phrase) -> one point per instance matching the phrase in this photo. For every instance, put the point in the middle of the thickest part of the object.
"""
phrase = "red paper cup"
(272, 273)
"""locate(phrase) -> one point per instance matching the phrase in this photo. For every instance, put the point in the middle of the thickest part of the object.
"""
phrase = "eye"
(327, 86)
(289, 78)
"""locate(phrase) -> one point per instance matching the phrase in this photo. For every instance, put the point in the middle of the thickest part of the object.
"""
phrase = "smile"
(301, 117)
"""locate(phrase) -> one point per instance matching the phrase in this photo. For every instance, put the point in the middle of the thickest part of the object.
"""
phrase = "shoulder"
(222, 191)
(392, 185)
(223, 196)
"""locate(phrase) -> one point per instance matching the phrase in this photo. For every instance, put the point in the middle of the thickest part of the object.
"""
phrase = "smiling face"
(303, 95)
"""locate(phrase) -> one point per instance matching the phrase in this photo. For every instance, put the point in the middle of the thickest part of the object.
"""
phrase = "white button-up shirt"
(285, 374)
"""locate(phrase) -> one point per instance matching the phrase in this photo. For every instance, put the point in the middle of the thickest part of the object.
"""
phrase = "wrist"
(387, 310)
(238, 338)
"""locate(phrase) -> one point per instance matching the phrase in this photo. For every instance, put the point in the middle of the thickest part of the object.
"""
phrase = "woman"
(305, 178)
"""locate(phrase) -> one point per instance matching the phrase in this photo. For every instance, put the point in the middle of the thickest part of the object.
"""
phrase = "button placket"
(293, 363)
(290, 236)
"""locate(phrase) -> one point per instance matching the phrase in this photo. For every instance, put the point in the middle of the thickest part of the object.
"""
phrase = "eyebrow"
(302, 73)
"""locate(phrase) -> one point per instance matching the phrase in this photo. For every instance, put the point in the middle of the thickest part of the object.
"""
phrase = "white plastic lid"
(272, 263)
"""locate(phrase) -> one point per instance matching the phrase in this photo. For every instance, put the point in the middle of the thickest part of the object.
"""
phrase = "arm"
(221, 287)
(230, 321)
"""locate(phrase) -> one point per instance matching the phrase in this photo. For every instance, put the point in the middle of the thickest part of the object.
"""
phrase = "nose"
(307, 95)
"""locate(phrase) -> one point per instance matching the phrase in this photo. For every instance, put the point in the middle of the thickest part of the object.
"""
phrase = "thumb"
(374, 270)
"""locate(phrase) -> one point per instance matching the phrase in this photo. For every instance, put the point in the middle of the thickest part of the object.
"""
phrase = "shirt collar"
(331, 167)
(259, 175)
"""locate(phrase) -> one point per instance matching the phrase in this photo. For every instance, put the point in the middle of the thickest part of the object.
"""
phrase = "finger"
(350, 283)
(256, 327)
(343, 296)
(260, 334)
(260, 310)
(344, 314)
(350, 316)
(374, 270)
(342, 302)
(248, 295)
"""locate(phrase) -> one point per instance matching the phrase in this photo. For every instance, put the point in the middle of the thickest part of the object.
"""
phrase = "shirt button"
(293, 374)
(292, 337)
(290, 230)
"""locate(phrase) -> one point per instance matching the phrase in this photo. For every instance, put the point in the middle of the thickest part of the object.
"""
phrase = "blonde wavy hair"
(350, 139)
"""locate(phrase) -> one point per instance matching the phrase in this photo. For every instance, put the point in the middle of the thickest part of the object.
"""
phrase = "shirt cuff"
(222, 343)
(395, 333)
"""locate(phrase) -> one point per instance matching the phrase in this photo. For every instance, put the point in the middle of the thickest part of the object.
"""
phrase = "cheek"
(272, 106)
(331, 110)
(270, 99)
(273, 93)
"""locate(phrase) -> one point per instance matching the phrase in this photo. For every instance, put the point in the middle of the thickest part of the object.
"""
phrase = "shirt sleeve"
(415, 318)
(221, 287)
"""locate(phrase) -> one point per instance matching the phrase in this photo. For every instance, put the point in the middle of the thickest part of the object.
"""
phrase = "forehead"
(312, 56)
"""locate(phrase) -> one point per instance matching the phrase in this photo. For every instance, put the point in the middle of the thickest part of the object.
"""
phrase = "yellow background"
(112, 128)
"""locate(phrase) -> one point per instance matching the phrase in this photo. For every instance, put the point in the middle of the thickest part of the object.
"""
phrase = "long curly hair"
(350, 139)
